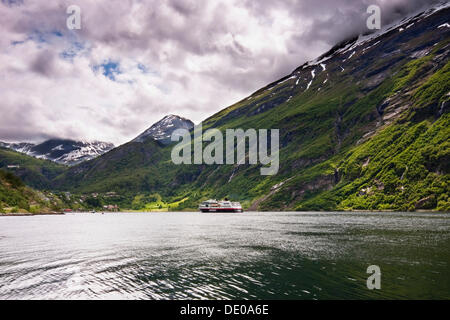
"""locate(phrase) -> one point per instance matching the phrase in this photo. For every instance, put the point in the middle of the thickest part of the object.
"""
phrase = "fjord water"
(180, 255)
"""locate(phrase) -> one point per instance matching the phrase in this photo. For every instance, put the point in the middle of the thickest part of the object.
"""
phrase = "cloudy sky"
(132, 62)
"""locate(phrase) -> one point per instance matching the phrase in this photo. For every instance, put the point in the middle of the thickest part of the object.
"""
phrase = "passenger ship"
(220, 206)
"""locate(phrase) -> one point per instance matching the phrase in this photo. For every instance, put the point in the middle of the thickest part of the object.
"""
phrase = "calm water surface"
(224, 256)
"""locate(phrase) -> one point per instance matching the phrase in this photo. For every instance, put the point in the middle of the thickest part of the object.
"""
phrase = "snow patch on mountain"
(22, 147)
(60, 147)
(365, 39)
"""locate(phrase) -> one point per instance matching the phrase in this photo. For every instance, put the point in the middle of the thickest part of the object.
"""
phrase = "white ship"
(220, 206)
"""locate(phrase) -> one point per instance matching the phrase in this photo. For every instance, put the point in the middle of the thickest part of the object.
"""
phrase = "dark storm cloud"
(43, 63)
(337, 20)
(18, 124)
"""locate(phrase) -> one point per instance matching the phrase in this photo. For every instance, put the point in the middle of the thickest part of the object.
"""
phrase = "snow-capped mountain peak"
(64, 151)
(162, 130)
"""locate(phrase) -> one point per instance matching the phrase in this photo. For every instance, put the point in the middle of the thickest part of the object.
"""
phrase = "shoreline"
(31, 214)
(135, 211)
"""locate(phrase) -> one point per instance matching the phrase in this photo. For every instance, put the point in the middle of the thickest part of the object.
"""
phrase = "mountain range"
(71, 152)
(363, 127)
(61, 151)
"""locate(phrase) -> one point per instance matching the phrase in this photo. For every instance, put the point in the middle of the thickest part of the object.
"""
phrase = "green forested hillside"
(15, 197)
(34, 172)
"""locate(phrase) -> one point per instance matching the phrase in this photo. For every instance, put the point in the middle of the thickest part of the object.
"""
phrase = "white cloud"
(191, 58)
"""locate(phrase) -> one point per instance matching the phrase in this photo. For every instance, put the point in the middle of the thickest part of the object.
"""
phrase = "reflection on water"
(224, 256)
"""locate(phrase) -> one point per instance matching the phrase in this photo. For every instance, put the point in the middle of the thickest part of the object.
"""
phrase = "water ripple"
(225, 256)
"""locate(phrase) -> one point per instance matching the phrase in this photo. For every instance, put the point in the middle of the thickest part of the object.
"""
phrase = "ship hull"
(221, 210)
